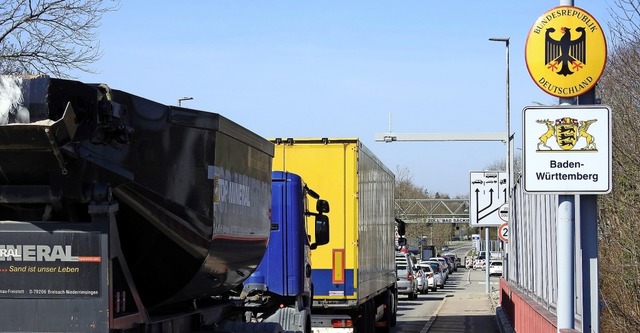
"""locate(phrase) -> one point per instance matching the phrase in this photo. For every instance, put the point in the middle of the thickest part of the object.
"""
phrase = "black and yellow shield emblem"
(567, 132)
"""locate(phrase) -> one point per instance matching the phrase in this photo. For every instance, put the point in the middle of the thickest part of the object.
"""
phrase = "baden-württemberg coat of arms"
(567, 132)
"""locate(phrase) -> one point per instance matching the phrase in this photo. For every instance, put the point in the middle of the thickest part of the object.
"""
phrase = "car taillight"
(409, 276)
(429, 275)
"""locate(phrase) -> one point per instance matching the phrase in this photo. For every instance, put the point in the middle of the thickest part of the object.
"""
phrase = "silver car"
(421, 278)
(437, 269)
(433, 279)
(407, 284)
(445, 266)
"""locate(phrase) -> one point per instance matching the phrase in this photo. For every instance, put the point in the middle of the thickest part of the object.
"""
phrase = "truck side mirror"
(311, 192)
(322, 231)
(401, 224)
(322, 206)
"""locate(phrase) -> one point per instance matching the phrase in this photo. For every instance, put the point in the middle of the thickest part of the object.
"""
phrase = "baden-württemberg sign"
(566, 51)
(567, 149)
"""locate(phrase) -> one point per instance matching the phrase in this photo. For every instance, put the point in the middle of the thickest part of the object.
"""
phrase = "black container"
(192, 187)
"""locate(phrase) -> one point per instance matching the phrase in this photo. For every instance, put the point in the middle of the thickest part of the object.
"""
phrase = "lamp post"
(183, 99)
(509, 161)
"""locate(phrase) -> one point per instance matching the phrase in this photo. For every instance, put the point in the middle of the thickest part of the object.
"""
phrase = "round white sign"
(503, 232)
(503, 212)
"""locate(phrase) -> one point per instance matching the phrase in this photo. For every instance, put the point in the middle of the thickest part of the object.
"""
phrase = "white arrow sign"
(488, 193)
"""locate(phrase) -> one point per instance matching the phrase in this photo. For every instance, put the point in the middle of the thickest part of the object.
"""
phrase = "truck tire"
(394, 302)
(389, 314)
(367, 321)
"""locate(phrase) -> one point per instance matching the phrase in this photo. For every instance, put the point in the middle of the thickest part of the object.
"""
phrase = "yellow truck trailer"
(354, 280)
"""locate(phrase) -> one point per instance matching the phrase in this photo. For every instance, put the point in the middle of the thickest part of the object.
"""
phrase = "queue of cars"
(438, 273)
(419, 277)
(430, 274)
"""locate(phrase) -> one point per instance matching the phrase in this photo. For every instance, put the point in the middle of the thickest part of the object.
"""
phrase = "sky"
(333, 69)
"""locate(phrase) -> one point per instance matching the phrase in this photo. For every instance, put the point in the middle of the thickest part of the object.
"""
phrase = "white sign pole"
(487, 256)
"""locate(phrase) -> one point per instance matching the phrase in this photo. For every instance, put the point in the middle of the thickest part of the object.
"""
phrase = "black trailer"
(118, 213)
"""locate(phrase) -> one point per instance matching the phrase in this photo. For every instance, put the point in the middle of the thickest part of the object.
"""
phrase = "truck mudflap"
(294, 320)
(60, 268)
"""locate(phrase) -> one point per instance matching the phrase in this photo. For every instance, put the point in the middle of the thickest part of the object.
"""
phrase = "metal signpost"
(556, 52)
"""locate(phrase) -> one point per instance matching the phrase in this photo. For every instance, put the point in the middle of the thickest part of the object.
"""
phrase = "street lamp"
(509, 161)
(183, 99)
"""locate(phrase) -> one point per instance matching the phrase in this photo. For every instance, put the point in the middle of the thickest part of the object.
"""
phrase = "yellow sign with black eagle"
(566, 51)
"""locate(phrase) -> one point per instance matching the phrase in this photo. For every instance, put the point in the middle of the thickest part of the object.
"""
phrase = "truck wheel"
(394, 302)
(389, 314)
(367, 321)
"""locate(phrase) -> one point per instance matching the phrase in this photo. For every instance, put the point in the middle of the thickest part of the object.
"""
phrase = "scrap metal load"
(192, 188)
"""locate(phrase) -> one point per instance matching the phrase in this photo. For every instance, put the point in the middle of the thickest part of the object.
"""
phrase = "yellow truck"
(354, 275)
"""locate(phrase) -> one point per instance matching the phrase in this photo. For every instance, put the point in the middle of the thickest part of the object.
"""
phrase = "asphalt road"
(414, 315)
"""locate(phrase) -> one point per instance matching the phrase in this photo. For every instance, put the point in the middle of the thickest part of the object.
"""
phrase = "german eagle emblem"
(565, 54)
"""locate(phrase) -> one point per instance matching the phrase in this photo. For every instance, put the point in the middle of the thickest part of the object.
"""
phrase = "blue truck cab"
(280, 289)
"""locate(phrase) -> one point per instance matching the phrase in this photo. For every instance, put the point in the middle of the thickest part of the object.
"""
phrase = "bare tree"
(500, 165)
(619, 235)
(50, 36)
(405, 188)
(436, 233)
